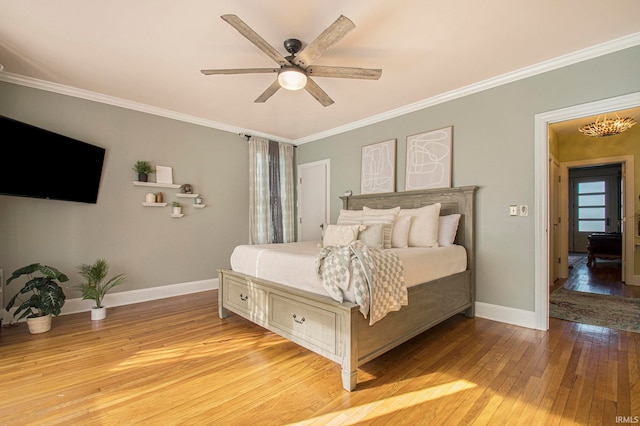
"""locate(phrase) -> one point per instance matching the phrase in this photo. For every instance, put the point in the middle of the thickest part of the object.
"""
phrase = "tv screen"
(42, 164)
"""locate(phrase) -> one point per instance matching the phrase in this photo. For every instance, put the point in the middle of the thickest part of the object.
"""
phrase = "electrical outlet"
(524, 210)
(513, 210)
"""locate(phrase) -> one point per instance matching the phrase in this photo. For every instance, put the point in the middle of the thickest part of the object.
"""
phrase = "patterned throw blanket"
(377, 277)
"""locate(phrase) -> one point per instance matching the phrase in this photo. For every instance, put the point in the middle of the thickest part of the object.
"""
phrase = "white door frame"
(541, 155)
(628, 173)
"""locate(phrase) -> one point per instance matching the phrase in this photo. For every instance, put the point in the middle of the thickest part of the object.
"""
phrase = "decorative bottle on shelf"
(159, 197)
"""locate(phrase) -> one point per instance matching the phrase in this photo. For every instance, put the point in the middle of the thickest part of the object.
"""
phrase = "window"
(592, 206)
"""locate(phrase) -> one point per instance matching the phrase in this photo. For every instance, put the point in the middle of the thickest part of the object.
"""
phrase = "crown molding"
(562, 61)
(550, 65)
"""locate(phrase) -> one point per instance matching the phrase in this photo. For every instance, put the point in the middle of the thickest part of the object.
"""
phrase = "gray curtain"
(271, 192)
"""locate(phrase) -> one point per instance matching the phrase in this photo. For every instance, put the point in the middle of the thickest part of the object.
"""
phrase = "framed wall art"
(164, 174)
(378, 169)
(429, 160)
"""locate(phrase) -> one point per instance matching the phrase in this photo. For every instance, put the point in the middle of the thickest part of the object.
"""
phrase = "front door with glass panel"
(595, 203)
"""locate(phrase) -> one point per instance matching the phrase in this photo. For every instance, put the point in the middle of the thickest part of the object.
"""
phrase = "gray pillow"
(373, 235)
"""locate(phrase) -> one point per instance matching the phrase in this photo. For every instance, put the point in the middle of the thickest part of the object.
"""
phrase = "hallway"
(602, 278)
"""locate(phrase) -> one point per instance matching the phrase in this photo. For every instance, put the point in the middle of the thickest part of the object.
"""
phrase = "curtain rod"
(244, 135)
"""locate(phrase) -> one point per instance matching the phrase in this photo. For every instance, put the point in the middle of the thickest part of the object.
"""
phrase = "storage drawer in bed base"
(338, 331)
(316, 323)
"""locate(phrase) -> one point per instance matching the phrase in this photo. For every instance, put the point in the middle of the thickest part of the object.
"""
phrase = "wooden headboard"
(454, 200)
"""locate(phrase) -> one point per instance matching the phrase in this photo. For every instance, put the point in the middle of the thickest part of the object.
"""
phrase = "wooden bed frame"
(338, 331)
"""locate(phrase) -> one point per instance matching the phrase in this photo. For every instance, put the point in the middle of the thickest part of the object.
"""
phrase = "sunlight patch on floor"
(194, 350)
(386, 406)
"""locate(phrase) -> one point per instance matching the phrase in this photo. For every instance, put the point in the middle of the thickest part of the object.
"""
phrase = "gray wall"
(144, 243)
(493, 147)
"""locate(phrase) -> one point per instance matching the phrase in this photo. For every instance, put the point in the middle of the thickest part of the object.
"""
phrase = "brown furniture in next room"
(604, 245)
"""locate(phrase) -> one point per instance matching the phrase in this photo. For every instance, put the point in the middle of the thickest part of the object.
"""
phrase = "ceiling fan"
(295, 70)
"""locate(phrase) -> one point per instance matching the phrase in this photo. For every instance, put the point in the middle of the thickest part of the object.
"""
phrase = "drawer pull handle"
(299, 321)
(243, 298)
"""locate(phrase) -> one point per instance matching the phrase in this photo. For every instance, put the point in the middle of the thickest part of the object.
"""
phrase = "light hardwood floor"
(602, 277)
(174, 362)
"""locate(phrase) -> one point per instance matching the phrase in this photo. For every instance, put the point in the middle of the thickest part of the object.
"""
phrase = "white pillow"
(340, 235)
(447, 229)
(424, 225)
(400, 232)
(386, 216)
(350, 217)
(373, 235)
(368, 210)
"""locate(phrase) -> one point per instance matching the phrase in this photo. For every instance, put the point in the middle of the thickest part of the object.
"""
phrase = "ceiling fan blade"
(333, 34)
(241, 71)
(315, 91)
(269, 92)
(344, 72)
(254, 38)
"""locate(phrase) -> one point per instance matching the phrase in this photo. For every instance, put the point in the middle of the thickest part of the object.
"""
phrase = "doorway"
(587, 171)
(595, 203)
(542, 205)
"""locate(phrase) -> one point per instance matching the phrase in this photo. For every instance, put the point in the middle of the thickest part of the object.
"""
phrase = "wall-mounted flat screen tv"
(39, 163)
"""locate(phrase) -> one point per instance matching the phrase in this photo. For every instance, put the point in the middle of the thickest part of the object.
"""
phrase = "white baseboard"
(507, 315)
(488, 311)
(73, 306)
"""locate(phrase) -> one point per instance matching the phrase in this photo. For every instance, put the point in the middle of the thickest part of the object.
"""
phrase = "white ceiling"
(148, 54)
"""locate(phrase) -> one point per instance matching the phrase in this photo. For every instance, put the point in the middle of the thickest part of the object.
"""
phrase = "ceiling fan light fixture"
(292, 78)
(606, 127)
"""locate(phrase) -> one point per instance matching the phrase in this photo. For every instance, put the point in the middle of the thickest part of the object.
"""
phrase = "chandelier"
(606, 127)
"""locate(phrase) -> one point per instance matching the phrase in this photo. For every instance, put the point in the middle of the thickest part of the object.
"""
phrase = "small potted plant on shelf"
(46, 296)
(143, 169)
(177, 208)
(95, 287)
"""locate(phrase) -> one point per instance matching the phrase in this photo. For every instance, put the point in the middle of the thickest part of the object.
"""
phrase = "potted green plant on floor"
(143, 169)
(46, 296)
(95, 287)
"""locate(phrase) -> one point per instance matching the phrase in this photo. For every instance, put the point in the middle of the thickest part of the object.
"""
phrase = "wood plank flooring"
(174, 362)
(604, 277)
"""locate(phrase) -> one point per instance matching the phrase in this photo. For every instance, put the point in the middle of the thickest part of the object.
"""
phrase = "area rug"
(622, 313)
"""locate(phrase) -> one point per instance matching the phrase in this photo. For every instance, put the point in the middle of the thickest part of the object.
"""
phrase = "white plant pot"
(98, 313)
(177, 210)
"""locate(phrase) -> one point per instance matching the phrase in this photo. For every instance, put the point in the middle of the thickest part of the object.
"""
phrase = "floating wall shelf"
(178, 195)
(157, 185)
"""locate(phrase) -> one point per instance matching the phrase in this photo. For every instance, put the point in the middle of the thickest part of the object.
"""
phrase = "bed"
(339, 331)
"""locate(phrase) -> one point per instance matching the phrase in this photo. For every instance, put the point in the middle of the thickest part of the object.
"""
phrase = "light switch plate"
(524, 210)
(513, 210)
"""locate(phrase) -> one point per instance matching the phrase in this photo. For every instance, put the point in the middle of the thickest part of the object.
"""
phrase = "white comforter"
(293, 264)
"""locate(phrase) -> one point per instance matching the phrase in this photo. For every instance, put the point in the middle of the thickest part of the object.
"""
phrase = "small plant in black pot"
(143, 169)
